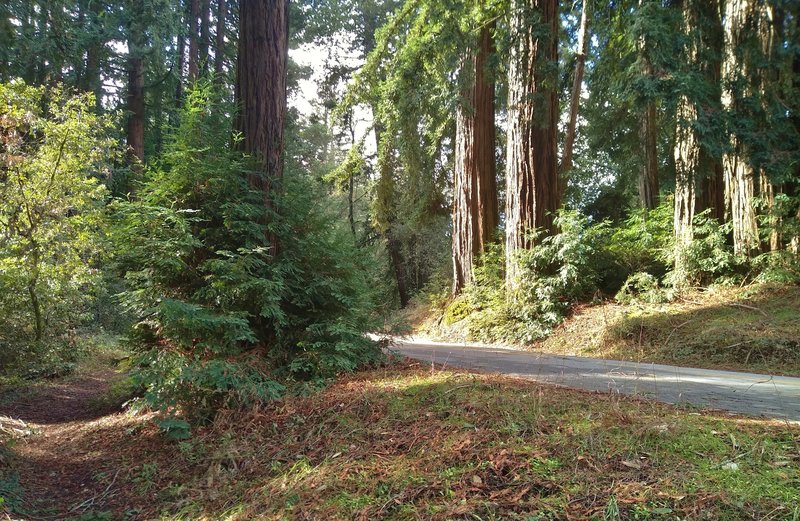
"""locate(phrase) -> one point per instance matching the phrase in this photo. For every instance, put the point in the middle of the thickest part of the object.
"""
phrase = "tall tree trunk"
(7, 41)
(711, 193)
(194, 15)
(648, 133)
(261, 90)
(687, 154)
(575, 99)
(686, 148)
(205, 34)
(136, 114)
(739, 175)
(219, 45)
(92, 80)
(136, 110)
(180, 60)
(532, 192)
(475, 208)
(648, 177)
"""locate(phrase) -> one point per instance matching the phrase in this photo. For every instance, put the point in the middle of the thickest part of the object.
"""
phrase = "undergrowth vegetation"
(235, 300)
(411, 442)
(638, 262)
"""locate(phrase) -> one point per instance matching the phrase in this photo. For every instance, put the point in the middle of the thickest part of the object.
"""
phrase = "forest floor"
(405, 441)
(755, 329)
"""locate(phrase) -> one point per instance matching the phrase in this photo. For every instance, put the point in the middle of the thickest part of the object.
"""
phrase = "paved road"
(746, 393)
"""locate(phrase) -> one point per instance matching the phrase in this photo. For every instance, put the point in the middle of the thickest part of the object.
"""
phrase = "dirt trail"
(67, 466)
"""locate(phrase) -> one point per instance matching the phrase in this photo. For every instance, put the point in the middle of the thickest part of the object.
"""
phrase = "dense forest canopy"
(502, 160)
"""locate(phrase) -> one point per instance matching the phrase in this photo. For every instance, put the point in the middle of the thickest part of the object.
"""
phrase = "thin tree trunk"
(575, 100)
(532, 193)
(219, 46)
(92, 79)
(475, 207)
(194, 14)
(351, 181)
(181, 60)
(261, 90)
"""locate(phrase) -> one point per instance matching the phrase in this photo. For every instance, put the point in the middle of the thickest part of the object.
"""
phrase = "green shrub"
(222, 320)
(642, 287)
(641, 244)
(708, 258)
(56, 151)
(559, 271)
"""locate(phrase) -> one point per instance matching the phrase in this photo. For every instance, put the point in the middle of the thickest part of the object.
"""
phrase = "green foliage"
(222, 318)
(560, 270)
(642, 287)
(55, 152)
(555, 274)
(641, 243)
(707, 258)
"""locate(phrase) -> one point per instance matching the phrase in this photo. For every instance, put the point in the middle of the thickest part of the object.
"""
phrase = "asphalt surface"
(743, 393)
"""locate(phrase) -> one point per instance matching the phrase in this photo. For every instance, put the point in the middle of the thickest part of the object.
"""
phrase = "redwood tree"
(532, 193)
(261, 87)
(475, 213)
(135, 70)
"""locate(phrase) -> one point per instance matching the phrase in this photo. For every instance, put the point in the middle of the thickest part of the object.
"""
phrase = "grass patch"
(408, 443)
(756, 329)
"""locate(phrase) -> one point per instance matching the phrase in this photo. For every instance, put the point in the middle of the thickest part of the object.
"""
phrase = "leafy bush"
(54, 152)
(557, 272)
(642, 287)
(222, 319)
(641, 244)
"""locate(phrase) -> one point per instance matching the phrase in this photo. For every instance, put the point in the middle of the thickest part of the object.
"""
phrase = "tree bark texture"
(219, 44)
(739, 175)
(261, 87)
(711, 180)
(648, 134)
(686, 154)
(135, 98)
(648, 177)
(205, 34)
(475, 207)
(532, 192)
(575, 100)
(194, 15)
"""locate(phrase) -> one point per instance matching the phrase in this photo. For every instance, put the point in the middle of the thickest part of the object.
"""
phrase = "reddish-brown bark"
(532, 193)
(475, 208)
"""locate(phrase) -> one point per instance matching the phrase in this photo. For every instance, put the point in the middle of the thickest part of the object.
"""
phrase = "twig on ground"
(745, 306)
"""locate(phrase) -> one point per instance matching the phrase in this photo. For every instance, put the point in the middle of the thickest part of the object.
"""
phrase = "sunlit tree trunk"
(575, 99)
(261, 90)
(181, 59)
(475, 208)
(532, 193)
(686, 148)
(741, 18)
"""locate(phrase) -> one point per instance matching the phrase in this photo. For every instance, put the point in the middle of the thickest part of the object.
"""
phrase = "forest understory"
(755, 329)
(403, 441)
